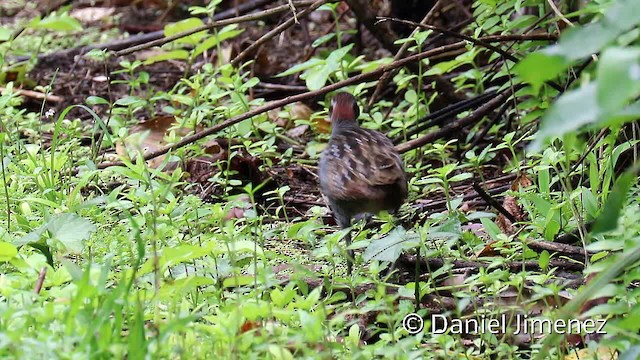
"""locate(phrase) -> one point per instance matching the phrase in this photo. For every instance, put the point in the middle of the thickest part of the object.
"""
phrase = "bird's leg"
(350, 255)
(344, 220)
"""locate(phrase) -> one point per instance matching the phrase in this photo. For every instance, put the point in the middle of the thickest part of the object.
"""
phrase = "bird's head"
(344, 110)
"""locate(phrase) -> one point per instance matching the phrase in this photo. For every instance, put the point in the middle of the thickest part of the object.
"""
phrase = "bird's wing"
(357, 163)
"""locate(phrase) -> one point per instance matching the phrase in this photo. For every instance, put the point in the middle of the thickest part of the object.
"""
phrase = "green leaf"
(315, 79)
(322, 39)
(608, 219)
(62, 22)
(579, 42)
(618, 77)
(301, 67)
(461, 177)
(185, 25)
(96, 100)
(170, 55)
(7, 251)
(225, 33)
(390, 247)
(71, 230)
(537, 68)
(5, 34)
(544, 259)
(571, 111)
(137, 347)
(491, 228)
(129, 100)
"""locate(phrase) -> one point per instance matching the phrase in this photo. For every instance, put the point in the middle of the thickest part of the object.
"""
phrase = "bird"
(359, 172)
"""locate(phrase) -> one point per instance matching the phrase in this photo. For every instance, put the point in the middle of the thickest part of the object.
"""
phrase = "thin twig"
(120, 44)
(475, 41)
(40, 281)
(456, 125)
(403, 49)
(495, 204)
(275, 31)
(211, 25)
(439, 116)
(37, 95)
(312, 94)
(559, 14)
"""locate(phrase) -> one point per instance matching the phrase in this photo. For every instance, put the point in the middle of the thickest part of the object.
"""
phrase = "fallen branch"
(275, 31)
(474, 41)
(408, 262)
(36, 95)
(494, 203)
(562, 249)
(312, 94)
(438, 117)
(400, 53)
(214, 24)
(454, 126)
(120, 44)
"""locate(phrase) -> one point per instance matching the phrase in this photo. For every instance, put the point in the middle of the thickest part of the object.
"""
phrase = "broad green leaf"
(71, 230)
(238, 280)
(491, 228)
(5, 34)
(579, 42)
(62, 22)
(322, 39)
(317, 78)
(622, 15)
(301, 67)
(170, 55)
(461, 177)
(618, 77)
(544, 259)
(225, 33)
(539, 67)
(185, 25)
(390, 247)
(96, 100)
(608, 219)
(571, 111)
(172, 256)
(7, 251)
(129, 100)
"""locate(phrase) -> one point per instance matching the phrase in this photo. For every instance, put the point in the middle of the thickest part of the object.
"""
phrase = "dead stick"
(214, 24)
(403, 49)
(474, 41)
(311, 94)
(458, 124)
(495, 204)
(277, 30)
(40, 281)
(37, 95)
(565, 249)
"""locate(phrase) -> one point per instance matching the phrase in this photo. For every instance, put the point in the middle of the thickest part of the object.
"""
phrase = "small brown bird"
(360, 171)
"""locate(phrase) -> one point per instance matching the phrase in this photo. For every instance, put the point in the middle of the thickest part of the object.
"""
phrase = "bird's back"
(361, 172)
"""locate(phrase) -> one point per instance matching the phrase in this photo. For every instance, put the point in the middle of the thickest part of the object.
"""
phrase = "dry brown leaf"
(321, 125)
(510, 204)
(148, 136)
(603, 353)
(488, 250)
(297, 131)
(92, 14)
(300, 111)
